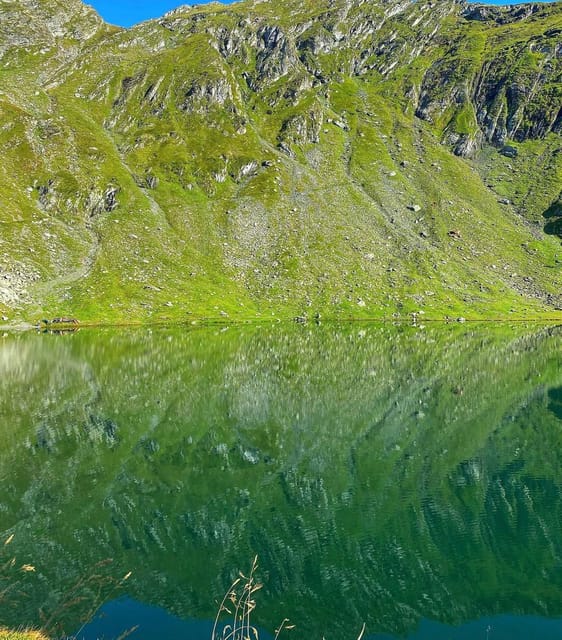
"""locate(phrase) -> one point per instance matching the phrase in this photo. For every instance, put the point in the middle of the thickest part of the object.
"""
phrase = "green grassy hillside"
(353, 159)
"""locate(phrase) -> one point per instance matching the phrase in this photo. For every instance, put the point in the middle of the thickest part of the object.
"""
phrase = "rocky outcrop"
(276, 57)
(520, 100)
(302, 128)
(513, 92)
(44, 25)
(500, 15)
(205, 93)
(510, 91)
(100, 201)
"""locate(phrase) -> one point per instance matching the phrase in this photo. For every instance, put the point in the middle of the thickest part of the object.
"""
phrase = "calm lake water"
(409, 478)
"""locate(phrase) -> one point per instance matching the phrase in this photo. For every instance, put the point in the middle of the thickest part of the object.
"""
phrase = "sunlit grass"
(6, 634)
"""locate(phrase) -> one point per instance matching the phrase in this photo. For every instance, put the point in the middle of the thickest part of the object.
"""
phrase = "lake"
(408, 478)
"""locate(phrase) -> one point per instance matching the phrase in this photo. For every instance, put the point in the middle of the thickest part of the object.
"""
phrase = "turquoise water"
(120, 616)
(402, 477)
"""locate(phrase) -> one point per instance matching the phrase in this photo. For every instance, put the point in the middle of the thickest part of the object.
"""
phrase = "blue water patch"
(144, 622)
(502, 627)
(138, 621)
(507, 2)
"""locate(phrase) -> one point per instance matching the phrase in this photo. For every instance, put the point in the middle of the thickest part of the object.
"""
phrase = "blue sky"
(128, 12)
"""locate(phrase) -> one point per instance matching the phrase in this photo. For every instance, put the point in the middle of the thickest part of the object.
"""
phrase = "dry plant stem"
(237, 611)
(229, 594)
(97, 606)
(128, 633)
(362, 632)
(244, 618)
(71, 599)
(281, 627)
(10, 564)
(244, 604)
(249, 604)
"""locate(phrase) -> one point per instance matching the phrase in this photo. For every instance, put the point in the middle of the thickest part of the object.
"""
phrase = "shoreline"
(411, 320)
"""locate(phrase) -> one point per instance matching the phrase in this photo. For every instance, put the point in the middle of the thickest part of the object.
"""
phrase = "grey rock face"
(303, 129)
(45, 23)
(500, 15)
(207, 92)
(509, 97)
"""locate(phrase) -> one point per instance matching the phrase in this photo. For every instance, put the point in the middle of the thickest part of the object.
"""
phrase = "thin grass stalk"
(222, 607)
(249, 604)
(281, 627)
(238, 604)
(128, 633)
(96, 607)
(246, 611)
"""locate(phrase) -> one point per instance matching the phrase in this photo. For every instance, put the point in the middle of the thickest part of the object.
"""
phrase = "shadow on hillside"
(555, 402)
(553, 217)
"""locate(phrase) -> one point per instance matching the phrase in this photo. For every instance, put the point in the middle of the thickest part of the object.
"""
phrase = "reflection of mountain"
(555, 396)
(384, 474)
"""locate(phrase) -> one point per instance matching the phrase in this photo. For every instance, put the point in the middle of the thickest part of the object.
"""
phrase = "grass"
(6, 634)
(318, 227)
(98, 585)
(239, 604)
(8, 585)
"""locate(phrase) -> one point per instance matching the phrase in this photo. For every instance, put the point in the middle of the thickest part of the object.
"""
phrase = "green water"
(386, 475)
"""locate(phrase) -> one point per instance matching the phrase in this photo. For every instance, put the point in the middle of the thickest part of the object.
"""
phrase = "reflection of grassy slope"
(21, 635)
(326, 230)
(364, 464)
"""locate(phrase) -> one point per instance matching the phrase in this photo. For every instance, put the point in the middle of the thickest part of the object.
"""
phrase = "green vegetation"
(261, 160)
(21, 635)
(239, 604)
(379, 472)
(8, 584)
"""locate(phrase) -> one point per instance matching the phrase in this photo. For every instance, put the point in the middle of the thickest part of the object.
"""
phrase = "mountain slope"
(342, 157)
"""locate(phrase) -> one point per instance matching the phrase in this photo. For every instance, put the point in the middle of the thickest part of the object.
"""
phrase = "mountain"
(348, 158)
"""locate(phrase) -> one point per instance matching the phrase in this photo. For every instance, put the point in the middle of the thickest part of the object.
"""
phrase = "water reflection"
(145, 623)
(382, 474)
(555, 404)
